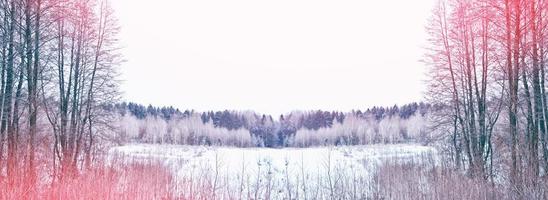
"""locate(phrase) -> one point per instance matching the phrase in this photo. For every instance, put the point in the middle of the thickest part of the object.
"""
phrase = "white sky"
(273, 56)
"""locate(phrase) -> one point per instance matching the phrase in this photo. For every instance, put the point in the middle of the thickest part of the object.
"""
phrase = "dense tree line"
(487, 61)
(312, 128)
(141, 111)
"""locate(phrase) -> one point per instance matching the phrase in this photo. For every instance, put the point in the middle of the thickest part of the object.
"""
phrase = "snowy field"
(263, 173)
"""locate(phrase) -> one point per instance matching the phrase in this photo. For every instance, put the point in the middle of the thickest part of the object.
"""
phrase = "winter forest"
(68, 132)
(150, 124)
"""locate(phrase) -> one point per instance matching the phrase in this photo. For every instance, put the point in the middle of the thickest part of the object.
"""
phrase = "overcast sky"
(273, 56)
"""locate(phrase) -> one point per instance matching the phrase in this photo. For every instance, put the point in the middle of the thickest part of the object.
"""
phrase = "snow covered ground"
(264, 172)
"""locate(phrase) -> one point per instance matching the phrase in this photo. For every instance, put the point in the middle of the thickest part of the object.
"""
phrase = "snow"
(282, 166)
(180, 156)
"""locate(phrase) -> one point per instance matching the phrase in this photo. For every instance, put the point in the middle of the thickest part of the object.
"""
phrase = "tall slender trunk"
(537, 98)
(16, 116)
(455, 92)
(8, 109)
(33, 52)
(531, 130)
(3, 66)
(539, 30)
(75, 106)
(512, 48)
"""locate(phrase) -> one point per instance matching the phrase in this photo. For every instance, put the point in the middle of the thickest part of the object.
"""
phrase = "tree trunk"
(8, 109)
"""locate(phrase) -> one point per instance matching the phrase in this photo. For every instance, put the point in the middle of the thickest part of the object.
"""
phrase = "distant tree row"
(141, 111)
(312, 128)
